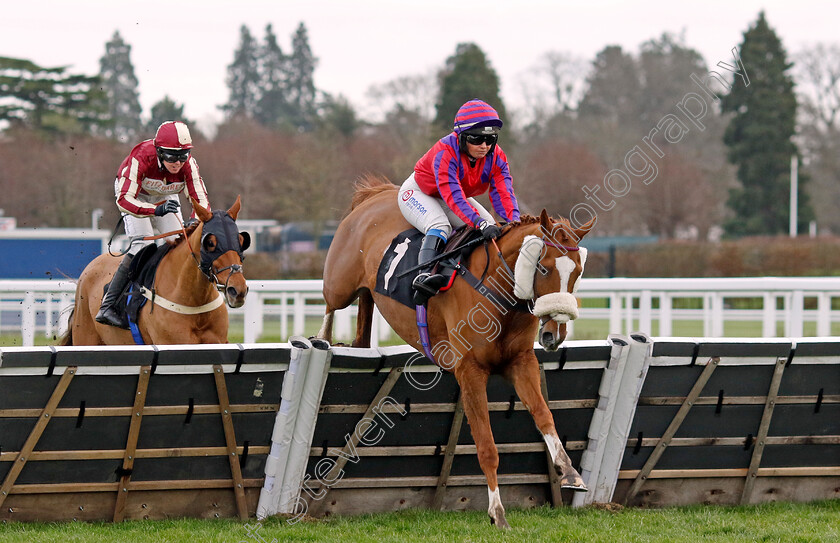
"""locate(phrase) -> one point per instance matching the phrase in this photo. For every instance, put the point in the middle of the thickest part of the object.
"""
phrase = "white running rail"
(784, 306)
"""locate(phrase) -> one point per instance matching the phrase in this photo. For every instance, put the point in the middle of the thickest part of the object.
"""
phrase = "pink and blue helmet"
(477, 116)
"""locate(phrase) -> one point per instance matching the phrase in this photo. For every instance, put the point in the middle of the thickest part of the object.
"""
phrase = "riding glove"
(169, 206)
(489, 231)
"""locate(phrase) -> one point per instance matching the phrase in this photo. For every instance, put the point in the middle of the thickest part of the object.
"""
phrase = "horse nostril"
(232, 292)
(547, 338)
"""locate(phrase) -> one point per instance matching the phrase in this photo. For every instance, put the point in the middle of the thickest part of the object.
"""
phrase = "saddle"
(141, 273)
(391, 277)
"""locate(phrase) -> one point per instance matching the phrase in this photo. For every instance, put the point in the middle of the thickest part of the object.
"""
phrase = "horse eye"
(209, 242)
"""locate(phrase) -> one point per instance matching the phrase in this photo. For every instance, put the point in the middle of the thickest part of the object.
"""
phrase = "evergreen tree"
(120, 86)
(167, 110)
(613, 89)
(339, 115)
(301, 82)
(272, 104)
(49, 99)
(243, 79)
(759, 137)
(467, 75)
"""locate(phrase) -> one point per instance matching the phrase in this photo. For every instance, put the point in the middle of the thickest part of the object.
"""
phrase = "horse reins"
(210, 274)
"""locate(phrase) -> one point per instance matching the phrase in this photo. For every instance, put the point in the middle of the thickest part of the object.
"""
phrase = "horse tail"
(67, 338)
(370, 185)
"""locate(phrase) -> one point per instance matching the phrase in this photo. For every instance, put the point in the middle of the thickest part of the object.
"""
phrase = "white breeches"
(426, 212)
(152, 225)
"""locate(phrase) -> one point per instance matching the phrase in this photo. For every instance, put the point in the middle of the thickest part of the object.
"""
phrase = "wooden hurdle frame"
(185, 431)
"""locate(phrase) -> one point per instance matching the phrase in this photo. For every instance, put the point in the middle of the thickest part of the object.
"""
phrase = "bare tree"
(818, 74)
(554, 85)
(409, 93)
(817, 71)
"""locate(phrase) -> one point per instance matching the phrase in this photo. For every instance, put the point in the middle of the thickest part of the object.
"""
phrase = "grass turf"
(772, 522)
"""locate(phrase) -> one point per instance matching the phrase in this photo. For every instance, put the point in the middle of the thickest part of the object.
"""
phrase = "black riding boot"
(425, 284)
(107, 313)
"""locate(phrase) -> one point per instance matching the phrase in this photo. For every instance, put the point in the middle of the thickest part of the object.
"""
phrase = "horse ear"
(244, 241)
(545, 221)
(234, 209)
(200, 212)
(583, 230)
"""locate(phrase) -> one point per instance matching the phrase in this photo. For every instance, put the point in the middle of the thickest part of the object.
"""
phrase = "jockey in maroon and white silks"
(142, 181)
(147, 186)
(439, 194)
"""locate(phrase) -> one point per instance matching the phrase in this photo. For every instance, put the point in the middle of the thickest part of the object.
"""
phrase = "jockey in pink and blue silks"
(146, 189)
(439, 194)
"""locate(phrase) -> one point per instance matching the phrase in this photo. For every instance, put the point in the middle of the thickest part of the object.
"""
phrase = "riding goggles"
(475, 139)
(174, 156)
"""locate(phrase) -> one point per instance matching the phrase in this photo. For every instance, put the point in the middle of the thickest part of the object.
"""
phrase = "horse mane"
(180, 239)
(530, 219)
(369, 185)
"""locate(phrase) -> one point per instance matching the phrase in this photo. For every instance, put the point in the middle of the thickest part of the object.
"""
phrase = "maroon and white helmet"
(173, 135)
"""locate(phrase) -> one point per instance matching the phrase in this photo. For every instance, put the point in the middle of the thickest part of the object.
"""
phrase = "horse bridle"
(546, 241)
(224, 232)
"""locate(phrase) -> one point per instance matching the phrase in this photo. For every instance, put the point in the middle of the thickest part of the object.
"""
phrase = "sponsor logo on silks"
(407, 194)
(156, 186)
(415, 205)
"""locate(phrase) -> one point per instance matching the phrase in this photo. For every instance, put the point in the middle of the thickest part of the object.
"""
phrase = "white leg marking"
(495, 501)
(326, 324)
(554, 444)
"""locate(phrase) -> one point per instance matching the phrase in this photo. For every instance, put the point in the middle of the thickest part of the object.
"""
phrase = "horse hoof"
(501, 523)
(577, 487)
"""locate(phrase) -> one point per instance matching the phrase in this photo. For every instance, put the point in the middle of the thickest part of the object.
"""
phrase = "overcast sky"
(182, 48)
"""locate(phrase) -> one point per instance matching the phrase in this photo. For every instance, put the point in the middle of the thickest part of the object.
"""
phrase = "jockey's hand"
(489, 231)
(169, 206)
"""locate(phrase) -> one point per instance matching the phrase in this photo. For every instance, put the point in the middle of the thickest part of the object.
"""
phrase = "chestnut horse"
(470, 335)
(186, 307)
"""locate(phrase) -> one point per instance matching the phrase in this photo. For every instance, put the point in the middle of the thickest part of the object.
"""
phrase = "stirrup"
(426, 285)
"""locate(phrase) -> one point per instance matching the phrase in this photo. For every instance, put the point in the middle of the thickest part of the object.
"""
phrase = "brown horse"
(470, 335)
(188, 307)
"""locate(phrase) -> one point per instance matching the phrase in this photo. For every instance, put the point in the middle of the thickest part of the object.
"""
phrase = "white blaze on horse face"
(564, 266)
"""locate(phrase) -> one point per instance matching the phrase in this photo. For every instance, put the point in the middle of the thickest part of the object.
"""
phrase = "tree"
(818, 70)
(409, 93)
(167, 110)
(467, 75)
(272, 103)
(665, 66)
(613, 89)
(553, 87)
(818, 81)
(340, 116)
(301, 82)
(243, 79)
(120, 85)
(759, 137)
(49, 99)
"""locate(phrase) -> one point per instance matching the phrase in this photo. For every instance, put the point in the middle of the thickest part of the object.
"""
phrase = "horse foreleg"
(325, 332)
(473, 383)
(364, 319)
(525, 375)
